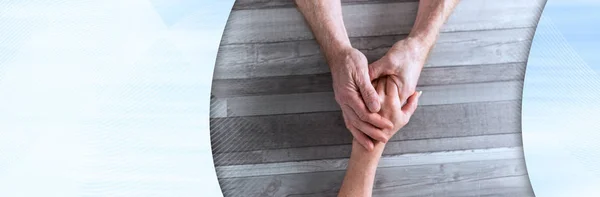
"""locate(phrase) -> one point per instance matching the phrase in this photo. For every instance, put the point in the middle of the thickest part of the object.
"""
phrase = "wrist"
(409, 52)
(420, 46)
(361, 153)
(336, 52)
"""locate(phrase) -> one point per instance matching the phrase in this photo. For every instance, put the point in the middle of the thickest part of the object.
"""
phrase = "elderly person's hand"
(357, 97)
(404, 61)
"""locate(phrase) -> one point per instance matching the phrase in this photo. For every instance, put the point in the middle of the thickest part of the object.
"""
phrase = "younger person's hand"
(391, 105)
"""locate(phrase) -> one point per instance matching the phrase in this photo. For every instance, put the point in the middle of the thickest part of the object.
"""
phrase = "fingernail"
(420, 92)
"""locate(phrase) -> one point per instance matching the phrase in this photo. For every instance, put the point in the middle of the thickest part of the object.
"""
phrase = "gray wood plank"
(263, 4)
(392, 148)
(264, 169)
(252, 133)
(475, 178)
(285, 24)
(304, 57)
(224, 88)
(324, 101)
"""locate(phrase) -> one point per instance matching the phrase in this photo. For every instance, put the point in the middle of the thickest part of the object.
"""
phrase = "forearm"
(431, 16)
(360, 174)
(326, 22)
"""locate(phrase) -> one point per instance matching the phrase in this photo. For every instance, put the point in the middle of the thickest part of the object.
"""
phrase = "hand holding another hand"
(357, 97)
(375, 110)
(391, 105)
(404, 61)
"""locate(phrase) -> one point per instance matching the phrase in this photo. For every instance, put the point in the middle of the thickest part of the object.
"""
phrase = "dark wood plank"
(392, 148)
(324, 101)
(224, 88)
(479, 178)
(234, 134)
(264, 4)
(304, 57)
(287, 24)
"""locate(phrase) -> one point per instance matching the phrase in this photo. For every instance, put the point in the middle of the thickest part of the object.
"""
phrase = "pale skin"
(373, 116)
(352, 74)
(363, 163)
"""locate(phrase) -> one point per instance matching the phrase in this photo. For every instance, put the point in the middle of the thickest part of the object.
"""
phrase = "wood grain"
(392, 148)
(304, 57)
(324, 101)
(327, 128)
(486, 178)
(277, 131)
(264, 169)
(225, 88)
(287, 24)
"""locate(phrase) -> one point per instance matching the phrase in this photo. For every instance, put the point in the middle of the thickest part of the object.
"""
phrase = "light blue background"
(107, 98)
(110, 98)
(561, 101)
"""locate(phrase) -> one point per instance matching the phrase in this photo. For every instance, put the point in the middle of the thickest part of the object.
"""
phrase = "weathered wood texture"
(251, 133)
(475, 178)
(225, 88)
(425, 146)
(233, 171)
(286, 24)
(277, 131)
(324, 101)
(303, 57)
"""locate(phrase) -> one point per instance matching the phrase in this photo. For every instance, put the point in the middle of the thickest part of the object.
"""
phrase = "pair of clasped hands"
(377, 99)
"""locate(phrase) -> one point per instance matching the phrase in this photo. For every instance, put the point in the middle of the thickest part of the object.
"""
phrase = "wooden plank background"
(277, 131)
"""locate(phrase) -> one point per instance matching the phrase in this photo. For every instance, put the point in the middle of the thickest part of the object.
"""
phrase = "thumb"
(377, 69)
(411, 104)
(368, 93)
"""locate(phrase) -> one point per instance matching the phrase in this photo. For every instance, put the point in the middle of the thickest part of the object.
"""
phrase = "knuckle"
(338, 99)
(389, 126)
(370, 94)
(348, 125)
(383, 137)
(393, 60)
(404, 121)
(353, 123)
(360, 81)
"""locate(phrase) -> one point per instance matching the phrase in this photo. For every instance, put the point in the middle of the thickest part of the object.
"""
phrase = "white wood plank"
(392, 148)
(247, 170)
(304, 57)
(476, 178)
(324, 101)
(285, 24)
(224, 88)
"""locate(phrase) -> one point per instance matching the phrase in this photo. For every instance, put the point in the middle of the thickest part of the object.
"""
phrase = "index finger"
(363, 114)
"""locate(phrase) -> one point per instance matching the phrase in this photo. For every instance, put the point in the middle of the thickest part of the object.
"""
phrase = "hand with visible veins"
(349, 70)
(404, 62)
(352, 88)
(406, 58)
(351, 73)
